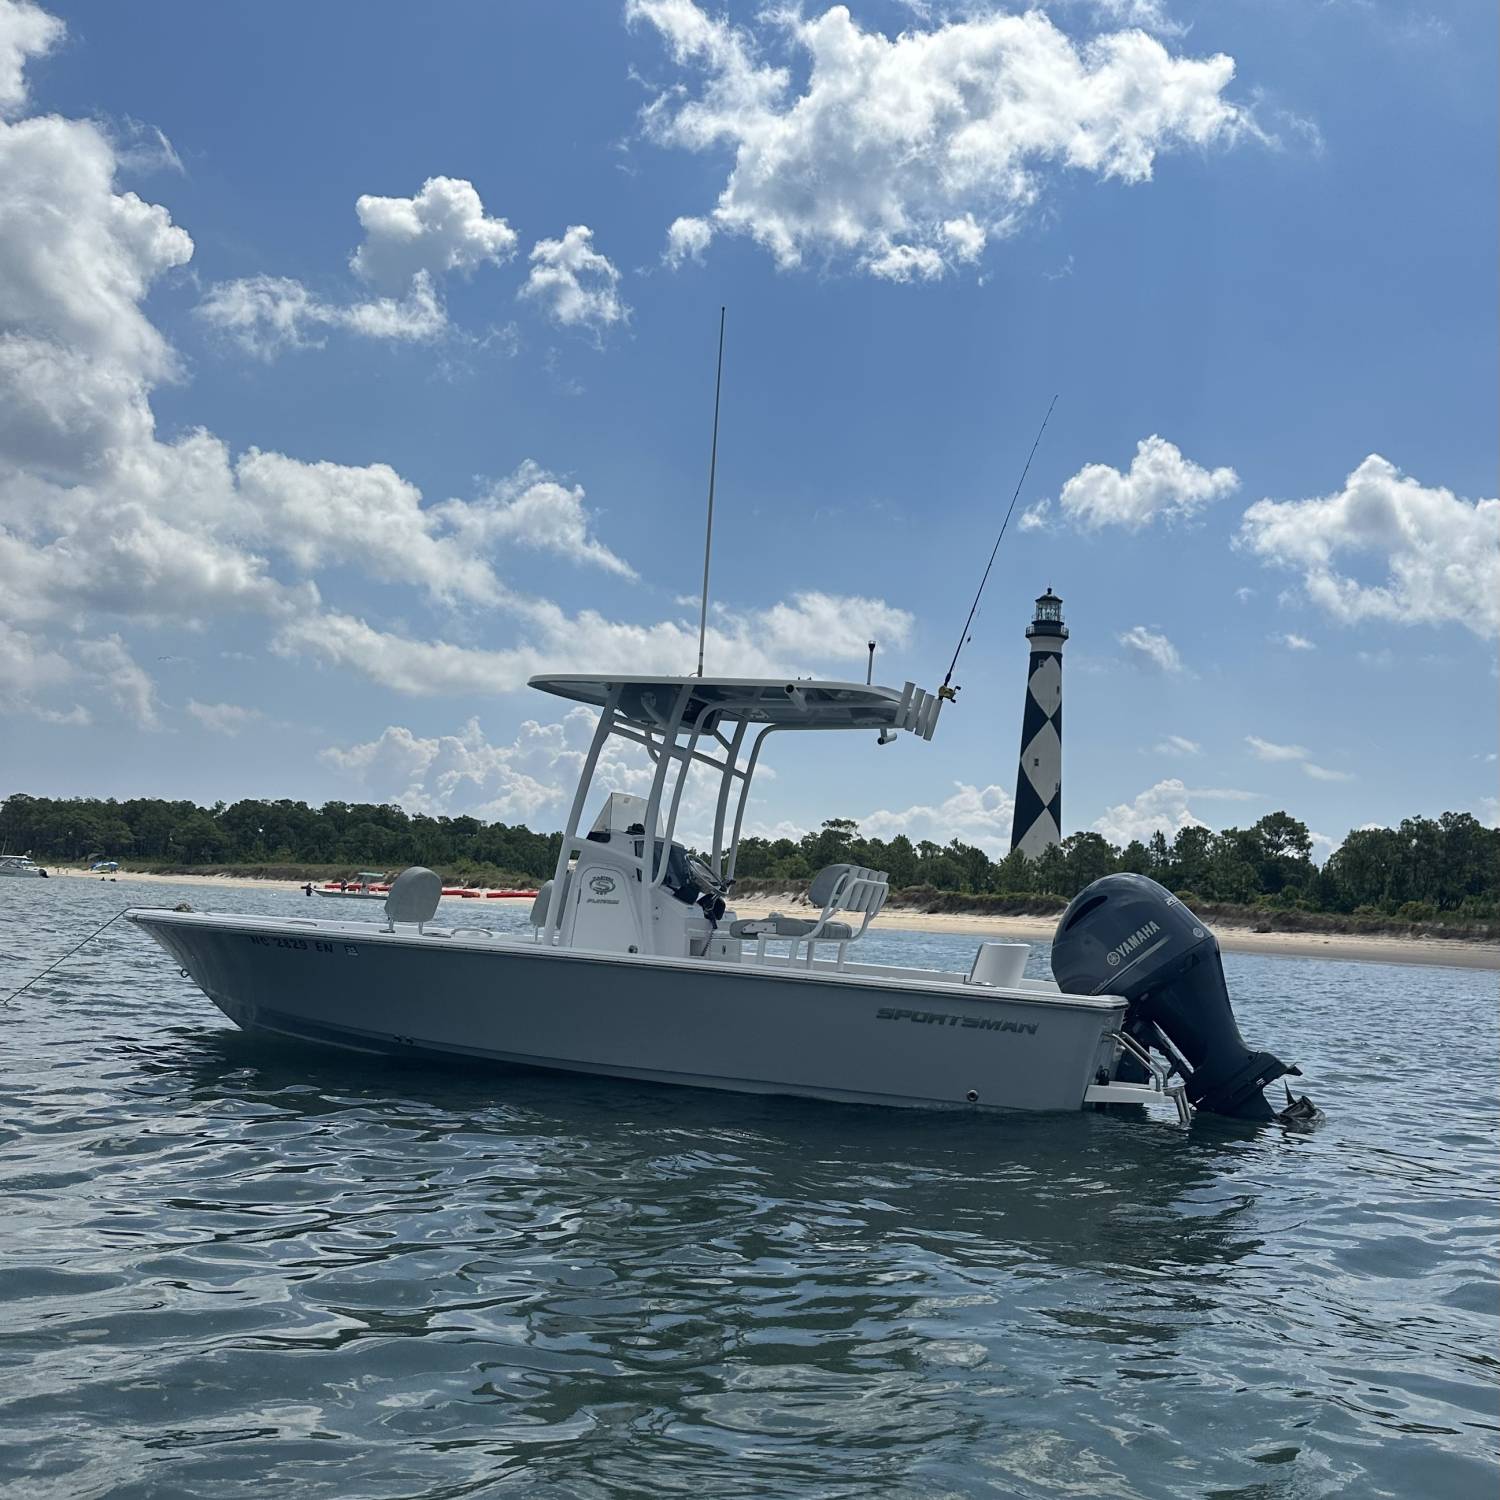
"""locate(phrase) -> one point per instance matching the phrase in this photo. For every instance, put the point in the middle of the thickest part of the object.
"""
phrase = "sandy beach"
(1340, 945)
(1448, 952)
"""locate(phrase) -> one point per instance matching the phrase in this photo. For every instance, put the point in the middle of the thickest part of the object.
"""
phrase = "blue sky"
(392, 383)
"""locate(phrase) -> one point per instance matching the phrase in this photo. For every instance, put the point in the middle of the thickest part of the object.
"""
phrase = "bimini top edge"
(651, 702)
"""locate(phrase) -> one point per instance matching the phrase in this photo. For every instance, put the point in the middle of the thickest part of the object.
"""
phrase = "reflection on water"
(239, 1267)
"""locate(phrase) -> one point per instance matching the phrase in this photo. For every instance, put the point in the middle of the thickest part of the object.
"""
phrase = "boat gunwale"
(823, 973)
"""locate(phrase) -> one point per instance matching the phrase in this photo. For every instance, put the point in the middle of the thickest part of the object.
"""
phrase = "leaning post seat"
(835, 888)
(543, 900)
(413, 897)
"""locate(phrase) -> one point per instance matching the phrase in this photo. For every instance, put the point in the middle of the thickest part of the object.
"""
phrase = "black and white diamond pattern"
(1038, 815)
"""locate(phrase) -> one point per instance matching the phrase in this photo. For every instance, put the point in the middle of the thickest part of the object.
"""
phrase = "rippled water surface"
(232, 1267)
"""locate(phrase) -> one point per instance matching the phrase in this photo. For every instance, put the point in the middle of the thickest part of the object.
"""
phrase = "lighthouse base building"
(1038, 815)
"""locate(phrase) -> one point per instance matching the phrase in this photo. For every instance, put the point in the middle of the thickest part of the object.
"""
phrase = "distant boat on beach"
(371, 885)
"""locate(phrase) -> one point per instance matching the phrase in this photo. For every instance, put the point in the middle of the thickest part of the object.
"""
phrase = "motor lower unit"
(1126, 935)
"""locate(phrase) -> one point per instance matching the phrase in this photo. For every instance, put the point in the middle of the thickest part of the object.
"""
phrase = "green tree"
(1089, 856)
(1049, 871)
(1232, 874)
(1192, 850)
(1360, 868)
(199, 838)
(1013, 873)
(1283, 850)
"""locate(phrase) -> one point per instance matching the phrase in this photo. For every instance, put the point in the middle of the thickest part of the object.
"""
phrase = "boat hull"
(814, 1033)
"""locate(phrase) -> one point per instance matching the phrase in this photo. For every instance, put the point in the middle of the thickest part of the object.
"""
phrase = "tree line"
(1424, 867)
(370, 835)
(1417, 870)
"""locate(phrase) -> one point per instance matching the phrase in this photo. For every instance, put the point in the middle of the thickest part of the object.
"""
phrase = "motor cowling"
(1126, 935)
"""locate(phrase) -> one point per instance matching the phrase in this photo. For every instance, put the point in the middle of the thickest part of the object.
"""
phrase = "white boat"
(361, 889)
(635, 966)
(19, 864)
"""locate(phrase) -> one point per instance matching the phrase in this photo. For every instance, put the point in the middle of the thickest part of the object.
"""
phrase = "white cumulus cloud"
(1160, 484)
(76, 258)
(409, 245)
(976, 815)
(529, 779)
(440, 229)
(687, 239)
(325, 513)
(267, 315)
(524, 781)
(26, 31)
(808, 630)
(531, 509)
(576, 285)
(102, 522)
(1162, 807)
(1436, 557)
(908, 153)
(1150, 649)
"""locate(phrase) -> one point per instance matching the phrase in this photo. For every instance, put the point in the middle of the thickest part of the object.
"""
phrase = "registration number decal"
(301, 945)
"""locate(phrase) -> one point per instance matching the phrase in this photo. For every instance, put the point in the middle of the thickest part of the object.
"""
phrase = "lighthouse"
(1038, 816)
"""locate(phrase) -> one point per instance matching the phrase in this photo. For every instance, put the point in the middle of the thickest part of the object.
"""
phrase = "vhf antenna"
(713, 464)
(951, 693)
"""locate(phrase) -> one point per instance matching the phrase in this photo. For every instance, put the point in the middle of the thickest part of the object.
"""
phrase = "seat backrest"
(850, 888)
(825, 884)
(413, 896)
(867, 891)
(539, 904)
(544, 895)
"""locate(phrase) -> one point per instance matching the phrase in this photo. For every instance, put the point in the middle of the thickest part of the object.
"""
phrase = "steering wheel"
(702, 875)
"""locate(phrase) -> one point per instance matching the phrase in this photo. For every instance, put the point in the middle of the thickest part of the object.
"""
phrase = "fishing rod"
(951, 693)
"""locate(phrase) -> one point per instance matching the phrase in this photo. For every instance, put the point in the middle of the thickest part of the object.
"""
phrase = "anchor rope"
(58, 962)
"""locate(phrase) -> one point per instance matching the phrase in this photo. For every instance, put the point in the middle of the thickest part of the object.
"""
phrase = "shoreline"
(1461, 953)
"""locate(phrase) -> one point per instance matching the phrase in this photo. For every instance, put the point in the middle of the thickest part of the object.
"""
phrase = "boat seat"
(539, 904)
(835, 888)
(544, 895)
(777, 925)
(413, 897)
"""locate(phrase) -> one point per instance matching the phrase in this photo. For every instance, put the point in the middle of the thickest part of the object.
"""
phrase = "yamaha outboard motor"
(1125, 935)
